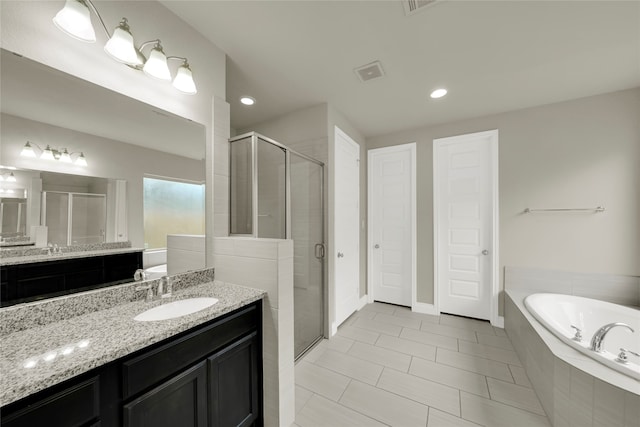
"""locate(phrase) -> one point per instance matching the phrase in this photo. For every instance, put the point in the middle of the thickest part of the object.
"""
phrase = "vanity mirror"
(130, 148)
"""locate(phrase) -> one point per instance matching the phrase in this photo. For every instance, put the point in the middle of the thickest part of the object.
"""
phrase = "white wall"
(580, 153)
(105, 158)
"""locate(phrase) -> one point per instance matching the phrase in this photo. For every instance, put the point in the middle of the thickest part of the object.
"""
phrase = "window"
(171, 207)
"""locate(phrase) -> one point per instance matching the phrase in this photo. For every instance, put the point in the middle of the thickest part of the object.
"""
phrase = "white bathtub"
(558, 312)
(156, 271)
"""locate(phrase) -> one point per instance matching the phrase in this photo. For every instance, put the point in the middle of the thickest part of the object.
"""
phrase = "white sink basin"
(175, 309)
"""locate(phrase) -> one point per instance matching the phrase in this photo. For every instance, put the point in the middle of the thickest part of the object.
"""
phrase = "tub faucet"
(140, 275)
(597, 341)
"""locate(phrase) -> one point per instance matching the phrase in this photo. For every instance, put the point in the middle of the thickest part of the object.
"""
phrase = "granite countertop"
(99, 337)
(65, 255)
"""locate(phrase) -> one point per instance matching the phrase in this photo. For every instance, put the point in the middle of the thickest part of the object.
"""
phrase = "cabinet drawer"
(151, 367)
(40, 269)
(74, 406)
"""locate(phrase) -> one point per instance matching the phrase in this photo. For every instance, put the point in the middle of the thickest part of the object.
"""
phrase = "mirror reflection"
(93, 166)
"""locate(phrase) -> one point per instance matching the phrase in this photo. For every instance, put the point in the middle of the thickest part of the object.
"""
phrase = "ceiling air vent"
(413, 6)
(370, 71)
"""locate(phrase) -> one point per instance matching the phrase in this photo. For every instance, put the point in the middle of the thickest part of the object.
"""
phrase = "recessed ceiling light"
(438, 93)
(247, 100)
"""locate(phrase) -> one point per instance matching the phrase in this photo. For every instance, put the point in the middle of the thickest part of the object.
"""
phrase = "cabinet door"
(76, 405)
(233, 384)
(180, 401)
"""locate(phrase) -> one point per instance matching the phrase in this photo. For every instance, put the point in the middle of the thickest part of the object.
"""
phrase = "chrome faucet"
(597, 341)
(165, 287)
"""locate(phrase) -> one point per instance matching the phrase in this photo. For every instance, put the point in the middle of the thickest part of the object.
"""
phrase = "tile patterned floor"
(389, 366)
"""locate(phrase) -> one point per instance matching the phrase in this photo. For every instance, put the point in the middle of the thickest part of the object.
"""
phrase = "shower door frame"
(254, 211)
(43, 212)
(254, 184)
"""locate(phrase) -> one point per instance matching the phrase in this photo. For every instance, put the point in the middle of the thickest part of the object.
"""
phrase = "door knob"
(340, 255)
(377, 246)
(485, 252)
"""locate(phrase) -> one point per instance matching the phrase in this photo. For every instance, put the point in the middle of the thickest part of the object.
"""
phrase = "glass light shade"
(75, 20)
(27, 151)
(81, 161)
(11, 178)
(65, 157)
(156, 66)
(184, 80)
(47, 154)
(120, 46)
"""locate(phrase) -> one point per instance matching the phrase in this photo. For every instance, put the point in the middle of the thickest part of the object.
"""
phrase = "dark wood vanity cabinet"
(210, 376)
(32, 281)
(74, 404)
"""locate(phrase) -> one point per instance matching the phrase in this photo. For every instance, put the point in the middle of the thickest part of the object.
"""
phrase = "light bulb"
(120, 46)
(27, 150)
(65, 157)
(11, 178)
(247, 100)
(184, 80)
(75, 20)
(47, 154)
(156, 66)
(81, 160)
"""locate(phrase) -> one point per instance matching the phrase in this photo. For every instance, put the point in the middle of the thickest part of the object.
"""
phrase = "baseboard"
(334, 329)
(364, 300)
(499, 322)
(421, 307)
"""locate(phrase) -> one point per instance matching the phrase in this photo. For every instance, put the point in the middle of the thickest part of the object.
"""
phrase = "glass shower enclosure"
(276, 192)
(74, 218)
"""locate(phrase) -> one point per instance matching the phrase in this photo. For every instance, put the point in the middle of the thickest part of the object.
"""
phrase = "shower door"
(277, 193)
(74, 218)
(307, 222)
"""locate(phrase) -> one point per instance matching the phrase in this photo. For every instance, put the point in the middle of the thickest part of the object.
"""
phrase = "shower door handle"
(319, 250)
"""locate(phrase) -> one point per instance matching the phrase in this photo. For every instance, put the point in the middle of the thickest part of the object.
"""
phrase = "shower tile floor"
(389, 366)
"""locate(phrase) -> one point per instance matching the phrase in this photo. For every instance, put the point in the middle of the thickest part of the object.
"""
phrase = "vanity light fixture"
(63, 155)
(156, 66)
(120, 46)
(10, 177)
(75, 20)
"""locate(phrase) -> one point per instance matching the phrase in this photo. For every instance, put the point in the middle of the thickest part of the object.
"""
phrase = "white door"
(391, 223)
(346, 254)
(464, 226)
